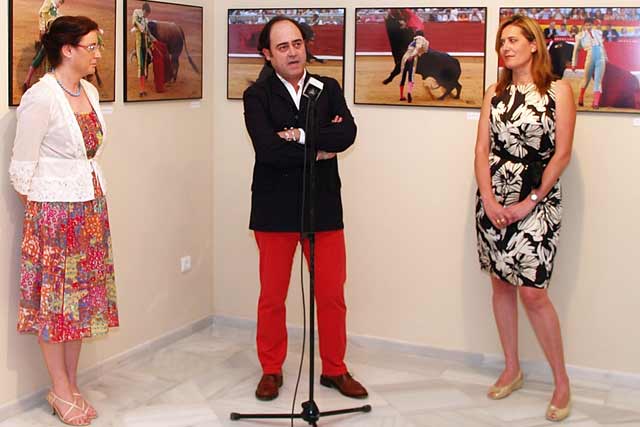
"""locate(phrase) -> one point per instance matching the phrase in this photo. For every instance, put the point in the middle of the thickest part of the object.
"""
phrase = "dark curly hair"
(264, 40)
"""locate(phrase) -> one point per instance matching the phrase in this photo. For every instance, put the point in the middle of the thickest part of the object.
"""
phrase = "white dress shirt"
(296, 96)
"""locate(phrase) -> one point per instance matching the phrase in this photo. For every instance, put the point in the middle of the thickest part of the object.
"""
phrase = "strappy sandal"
(65, 418)
(85, 406)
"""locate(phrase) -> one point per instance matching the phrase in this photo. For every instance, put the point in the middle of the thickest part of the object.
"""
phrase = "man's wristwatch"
(534, 197)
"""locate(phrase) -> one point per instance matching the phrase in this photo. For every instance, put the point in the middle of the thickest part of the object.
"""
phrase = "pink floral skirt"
(67, 284)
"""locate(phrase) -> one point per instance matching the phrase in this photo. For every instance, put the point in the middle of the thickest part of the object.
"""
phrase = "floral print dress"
(522, 136)
(67, 285)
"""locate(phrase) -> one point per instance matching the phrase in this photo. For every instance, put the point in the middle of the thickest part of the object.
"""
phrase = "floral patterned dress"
(522, 141)
(67, 285)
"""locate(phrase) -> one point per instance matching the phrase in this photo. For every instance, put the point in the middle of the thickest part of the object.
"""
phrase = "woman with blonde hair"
(67, 284)
(524, 141)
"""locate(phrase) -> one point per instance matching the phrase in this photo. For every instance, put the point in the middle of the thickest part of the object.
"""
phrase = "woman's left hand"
(520, 210)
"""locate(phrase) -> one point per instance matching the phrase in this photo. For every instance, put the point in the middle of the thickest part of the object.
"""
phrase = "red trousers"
(276, 258)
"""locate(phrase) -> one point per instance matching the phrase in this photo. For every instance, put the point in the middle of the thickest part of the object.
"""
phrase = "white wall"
(158, 165)
(408, 193)
(413, 272)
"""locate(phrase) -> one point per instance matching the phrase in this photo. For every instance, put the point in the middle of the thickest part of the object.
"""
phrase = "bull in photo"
(443, 68)
(172, 35)
(560, 53)
(620, 88)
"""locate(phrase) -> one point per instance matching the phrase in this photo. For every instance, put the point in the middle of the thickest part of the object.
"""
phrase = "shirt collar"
(296, 96)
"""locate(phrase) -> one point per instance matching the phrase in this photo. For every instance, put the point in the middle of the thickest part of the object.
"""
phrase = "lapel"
(278, 89)
(67, 112)
(303, 99)
(95, 104)
(70, 117)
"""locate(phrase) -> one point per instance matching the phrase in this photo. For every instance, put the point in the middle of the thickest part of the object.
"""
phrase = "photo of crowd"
(597, 50)
(303, 16)
(324, 38)
(427, 14)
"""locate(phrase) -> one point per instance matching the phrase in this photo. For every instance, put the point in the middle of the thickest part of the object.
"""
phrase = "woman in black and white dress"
(524, 143)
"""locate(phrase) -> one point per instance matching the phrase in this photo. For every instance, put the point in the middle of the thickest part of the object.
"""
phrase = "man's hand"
(323, 155)
(290, 134)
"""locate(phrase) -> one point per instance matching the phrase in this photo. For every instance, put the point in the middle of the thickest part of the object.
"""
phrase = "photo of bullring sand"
(27, 19)
(595, 49)
(324, 34)
(420, 56)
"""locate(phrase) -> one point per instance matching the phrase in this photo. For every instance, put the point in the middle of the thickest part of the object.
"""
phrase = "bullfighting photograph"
(324, 41)
(596, 50)
(163, 51)
(30, 19)
(420, 56)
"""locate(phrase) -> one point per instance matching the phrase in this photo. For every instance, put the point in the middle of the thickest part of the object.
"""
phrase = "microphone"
(313, 89)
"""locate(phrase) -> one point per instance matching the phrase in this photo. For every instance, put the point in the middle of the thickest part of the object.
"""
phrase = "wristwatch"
(534, 197)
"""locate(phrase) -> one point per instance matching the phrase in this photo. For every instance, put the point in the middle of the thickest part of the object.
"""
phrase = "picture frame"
(170, 38)
(27, 60)
(610, 71)
(325, 43)
(439, 70)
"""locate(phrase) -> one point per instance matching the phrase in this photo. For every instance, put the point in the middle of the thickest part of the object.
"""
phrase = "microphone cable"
(304, 305)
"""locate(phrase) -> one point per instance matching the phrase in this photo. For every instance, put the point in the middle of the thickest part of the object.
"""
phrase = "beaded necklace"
(74, 94)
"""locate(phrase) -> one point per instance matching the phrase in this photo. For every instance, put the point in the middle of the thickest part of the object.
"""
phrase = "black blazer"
(276, 200)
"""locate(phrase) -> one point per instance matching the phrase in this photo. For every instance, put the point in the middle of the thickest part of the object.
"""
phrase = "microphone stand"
(310, 411)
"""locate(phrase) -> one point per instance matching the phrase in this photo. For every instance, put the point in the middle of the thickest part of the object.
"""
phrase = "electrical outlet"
(185, 264)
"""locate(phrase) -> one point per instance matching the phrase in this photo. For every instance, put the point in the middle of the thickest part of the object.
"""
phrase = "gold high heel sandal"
(497, 393)
(85, 406)
(558, 414)
(70, 421)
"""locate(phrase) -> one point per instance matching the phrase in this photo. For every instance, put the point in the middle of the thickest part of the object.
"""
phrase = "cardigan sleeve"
(33, 122)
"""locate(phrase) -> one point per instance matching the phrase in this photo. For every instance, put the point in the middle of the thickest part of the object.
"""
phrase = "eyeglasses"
(91, 48)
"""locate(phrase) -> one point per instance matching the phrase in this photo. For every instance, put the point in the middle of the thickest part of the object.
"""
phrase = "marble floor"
(197, 381)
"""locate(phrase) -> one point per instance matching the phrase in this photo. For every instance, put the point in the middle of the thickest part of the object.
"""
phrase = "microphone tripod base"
(310, 413)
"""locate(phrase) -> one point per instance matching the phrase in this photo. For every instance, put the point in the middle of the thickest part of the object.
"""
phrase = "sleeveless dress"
(67, 284)
(522, 137)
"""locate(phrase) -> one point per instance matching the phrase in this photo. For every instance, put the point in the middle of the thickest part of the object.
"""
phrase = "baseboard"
(36, 398)
(538, 369)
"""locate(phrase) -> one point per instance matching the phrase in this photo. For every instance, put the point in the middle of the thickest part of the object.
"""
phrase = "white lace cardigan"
(49, 162)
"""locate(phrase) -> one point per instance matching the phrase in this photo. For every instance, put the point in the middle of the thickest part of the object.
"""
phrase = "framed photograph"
(28, 19)
(425, 56)
(325, 35)
(595, 49)
(163, 51)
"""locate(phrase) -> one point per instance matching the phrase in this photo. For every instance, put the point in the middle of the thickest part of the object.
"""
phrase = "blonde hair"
(541, 64)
